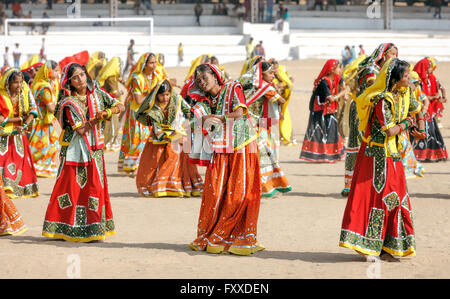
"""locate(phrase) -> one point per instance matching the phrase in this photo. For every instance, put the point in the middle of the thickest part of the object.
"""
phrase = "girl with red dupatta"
(431, 149)
(232, 189)
(164, 169)
(322, 141)
(80, 209)
(17, 111)
(378, 217)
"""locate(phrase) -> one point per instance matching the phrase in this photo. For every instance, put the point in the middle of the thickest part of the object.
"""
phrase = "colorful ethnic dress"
(263, 109)
(11, 222)
(367, 72)
(16, 161)
(378, 214)
(322, 141)
(432, 148)
(135, 134)
(44, 137)
(232, 190)
(164, 169)
(80, 208)
(108, 79)
(282, 78)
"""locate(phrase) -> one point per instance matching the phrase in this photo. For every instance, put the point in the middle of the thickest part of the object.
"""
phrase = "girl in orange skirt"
(164, 169)
(232, 193)
(11, 223)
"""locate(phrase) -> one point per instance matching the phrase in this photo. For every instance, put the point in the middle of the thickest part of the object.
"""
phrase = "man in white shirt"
(16, 56)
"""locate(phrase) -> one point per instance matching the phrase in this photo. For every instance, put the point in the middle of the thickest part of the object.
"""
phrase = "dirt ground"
(300, 230)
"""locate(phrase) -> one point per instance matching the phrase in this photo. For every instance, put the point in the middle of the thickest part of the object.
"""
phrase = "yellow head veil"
(112, 68)
(33, 60)
(378, 89)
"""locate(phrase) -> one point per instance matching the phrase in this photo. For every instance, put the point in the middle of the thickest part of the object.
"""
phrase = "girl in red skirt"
(80, 208)
(378, 216)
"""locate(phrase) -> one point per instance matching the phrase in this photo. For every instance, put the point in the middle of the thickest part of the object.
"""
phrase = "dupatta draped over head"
(332, 84)
(379, 91)
(150, 114)
(26, 101)
(43, 80)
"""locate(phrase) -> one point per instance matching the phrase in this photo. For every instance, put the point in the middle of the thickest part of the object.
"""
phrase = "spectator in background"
(223, 9)
(148, 6)
(16, 56)
(361, 50)
(318, 3)
(269, 11)
(259, 50)
(45, 25)
(42, 55)
(31, 25)
(249, 47)
(198, 10)
(98, 23)
(346, 55)
(17, 9)
(6, 57)
(240, 11)
(437, 8)
(261, 11)
(180, 53)
(215, 11)
(353, 52)
(130, 57)
(49, 4)
(331, 3)
(247, 6)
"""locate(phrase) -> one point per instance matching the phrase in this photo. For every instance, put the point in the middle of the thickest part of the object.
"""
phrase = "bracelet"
(5, 122)
(109, 112)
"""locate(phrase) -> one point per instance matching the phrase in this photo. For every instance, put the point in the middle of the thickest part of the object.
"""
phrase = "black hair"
(165, 86)
(70, 72)
(265, 66)
(53, 64)
(204, 68)
(399, 69)
(13, 76)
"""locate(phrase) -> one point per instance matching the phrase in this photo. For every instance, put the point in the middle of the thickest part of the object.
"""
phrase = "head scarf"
(196, 62)
(112, 68)
(65, 82)
(376, 56)
(371, 95)
(81, 58)
(193, 91)
(29, 63)
(429, 81)
(6, 106)
(250, 63)
(138, 67)
(327, 68)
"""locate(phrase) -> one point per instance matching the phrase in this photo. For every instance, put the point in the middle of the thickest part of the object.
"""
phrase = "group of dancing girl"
(58, 120)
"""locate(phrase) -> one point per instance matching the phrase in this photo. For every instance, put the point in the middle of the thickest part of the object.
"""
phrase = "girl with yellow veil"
(17, 111)
(141, 82)
(44, 137)
(377, 219)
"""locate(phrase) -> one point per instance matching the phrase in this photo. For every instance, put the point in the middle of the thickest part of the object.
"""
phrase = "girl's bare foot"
(388, 257)
(368, 258)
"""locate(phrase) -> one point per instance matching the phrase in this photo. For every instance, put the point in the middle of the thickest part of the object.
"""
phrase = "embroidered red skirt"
(80, 208)
(378, 214)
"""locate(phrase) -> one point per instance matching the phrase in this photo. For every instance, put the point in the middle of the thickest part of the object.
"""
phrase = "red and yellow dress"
(164, 169)
(378, 214)
(232, 190)
(44, 142)
(16, 161)
(80, 208)
(11, 222)
(135, 134)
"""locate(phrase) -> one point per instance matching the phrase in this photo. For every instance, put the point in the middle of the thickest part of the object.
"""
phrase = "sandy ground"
(300, 229)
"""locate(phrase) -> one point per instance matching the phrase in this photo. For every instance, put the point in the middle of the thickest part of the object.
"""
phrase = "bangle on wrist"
(109, 113)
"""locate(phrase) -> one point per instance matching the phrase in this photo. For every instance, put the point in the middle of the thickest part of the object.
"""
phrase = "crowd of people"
(59, 122)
